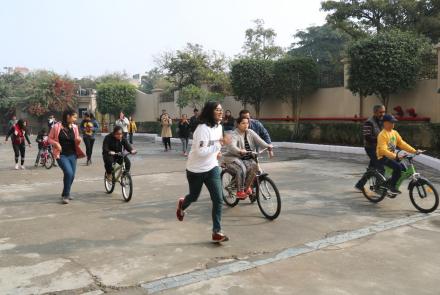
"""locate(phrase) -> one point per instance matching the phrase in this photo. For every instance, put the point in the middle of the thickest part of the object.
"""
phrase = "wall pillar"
(438, 67)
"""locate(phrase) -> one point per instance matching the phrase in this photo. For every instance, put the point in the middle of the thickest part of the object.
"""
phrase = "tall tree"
(360, 17)
(150, 79)
(385, 64)
(195, 96)
(260, 42)
(252, 81)
(295, 78)
(114, 97)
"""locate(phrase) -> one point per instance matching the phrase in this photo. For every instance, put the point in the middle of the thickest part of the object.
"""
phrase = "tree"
(296, 78)
(360, 17)
(150, 79)
(114, 97)
(260, 42)
(252, 81)
(326, 46)
(195, 96)
(385, 64)
(116, 77)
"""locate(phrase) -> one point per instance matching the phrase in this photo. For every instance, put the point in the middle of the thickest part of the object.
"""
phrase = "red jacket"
(53, 138)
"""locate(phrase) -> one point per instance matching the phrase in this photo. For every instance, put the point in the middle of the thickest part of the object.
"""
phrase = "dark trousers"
(19, 151)
(89, 141)
(130, 138)
(109, 160)
(212, 180)
(68, 165)
(166, 142)
(397, 169)
(373, 164)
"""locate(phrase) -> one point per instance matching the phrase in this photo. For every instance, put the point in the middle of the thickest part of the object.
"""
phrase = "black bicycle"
(121, 175)
(265, 192)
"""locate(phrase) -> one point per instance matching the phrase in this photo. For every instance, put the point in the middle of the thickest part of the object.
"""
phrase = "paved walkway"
(327, 240)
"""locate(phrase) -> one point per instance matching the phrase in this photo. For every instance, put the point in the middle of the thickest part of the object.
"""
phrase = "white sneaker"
(22, 167)
(17, 167)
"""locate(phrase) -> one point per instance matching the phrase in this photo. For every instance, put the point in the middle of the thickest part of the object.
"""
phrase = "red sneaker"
(242, 195)
(219, 237)
(249, 191)
(179, 212)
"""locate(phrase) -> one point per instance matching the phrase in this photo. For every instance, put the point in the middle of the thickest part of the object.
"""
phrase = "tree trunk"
(257, 109)
(361, 106)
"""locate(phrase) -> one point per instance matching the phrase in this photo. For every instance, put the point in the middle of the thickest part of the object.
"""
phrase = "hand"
(418, 152)
(78, 140)
(219, 155)
(58, 146)
(111, 153)
(30, 146)
(133, 152)
(226, 140)
(243, 152)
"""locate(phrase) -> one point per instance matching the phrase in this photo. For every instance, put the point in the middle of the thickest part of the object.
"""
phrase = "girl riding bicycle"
(238, 158)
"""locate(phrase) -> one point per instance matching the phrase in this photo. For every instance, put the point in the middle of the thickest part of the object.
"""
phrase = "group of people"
(381, 143)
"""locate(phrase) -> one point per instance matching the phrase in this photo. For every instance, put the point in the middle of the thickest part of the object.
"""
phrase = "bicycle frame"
(118, 170)
(409, 173)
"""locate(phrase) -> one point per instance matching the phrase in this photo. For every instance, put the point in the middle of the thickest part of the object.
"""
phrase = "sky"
(94, 37)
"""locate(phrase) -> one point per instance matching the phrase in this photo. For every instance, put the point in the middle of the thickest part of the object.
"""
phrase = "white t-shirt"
(205, 148)
(124, 124)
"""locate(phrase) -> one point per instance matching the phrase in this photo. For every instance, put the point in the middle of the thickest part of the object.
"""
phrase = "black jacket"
(112, 144)
(193, 123)
(184, 129)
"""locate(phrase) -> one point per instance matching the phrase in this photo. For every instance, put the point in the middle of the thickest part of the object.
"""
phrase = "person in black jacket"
(184, 132)
(194, 121)
(114, 143)
(370, 130)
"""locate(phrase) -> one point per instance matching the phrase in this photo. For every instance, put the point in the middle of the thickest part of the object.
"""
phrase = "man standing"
(371, 129)
(123, 123)
(256, 126)
(194, 121)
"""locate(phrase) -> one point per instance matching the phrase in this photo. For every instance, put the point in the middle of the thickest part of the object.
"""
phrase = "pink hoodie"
(53, 138)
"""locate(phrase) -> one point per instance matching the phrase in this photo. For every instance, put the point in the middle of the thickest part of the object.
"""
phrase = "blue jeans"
(212, 180)
(68, 165)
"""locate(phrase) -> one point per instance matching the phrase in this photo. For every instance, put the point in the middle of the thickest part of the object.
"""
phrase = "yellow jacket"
(387, 142)
(132, 128)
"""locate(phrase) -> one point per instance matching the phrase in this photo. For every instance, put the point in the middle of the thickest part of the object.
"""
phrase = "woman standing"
(19, 137)
(65, 139)
(88, 127)
(166, 131)
(202, 166)
(184, 132)
(228, 122)
(123, 123)
(132, 128)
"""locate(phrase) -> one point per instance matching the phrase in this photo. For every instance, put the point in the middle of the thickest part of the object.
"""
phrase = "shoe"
(17, 167)
(109, 177)
(219, 237)
(249, 191)
(70, 197)
(65, 200)
(36, 165)
(242, 195)
(88, 163)
(185, 154)
(395, 191)
(179, 212)
(359, 187)
(22, 167)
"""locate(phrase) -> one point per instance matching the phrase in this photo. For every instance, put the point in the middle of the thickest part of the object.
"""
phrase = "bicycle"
(265, 193)
(46, 158)
(420, 189)
(121, 175)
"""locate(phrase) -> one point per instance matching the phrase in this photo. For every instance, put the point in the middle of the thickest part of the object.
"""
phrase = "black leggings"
(19, 150)
(167, 142)
(89, 141)
(109, 160)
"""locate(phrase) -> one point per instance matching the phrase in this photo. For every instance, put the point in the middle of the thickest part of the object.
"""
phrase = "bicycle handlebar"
(122, 154)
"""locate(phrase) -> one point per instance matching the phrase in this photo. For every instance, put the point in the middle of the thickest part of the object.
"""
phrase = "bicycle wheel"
(229, 189)
(374, 189)
(268, 198)
(109, 184)
(127, 186)
(424, 196)
(48, 163)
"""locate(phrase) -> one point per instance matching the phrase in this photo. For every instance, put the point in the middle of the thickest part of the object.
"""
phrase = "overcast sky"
(92, 37)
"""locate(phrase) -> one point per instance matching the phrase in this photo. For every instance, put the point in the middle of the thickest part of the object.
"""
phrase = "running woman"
(19, 135)
(65, 139)
(203, 167)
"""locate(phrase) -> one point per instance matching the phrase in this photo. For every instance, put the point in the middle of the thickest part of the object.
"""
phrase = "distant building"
(21, 70)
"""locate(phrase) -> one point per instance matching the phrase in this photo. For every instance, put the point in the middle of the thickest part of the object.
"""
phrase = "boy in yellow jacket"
(388, 141)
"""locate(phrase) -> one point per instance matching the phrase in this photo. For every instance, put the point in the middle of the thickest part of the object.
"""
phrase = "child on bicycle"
(238, 158)
(388, 141)
(43, 144)
(113, 144)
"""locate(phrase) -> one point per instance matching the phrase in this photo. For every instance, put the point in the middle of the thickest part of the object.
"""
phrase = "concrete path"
(100, 244)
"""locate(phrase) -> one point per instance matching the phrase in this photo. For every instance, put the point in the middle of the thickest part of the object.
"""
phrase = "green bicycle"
(422, 192)
(121, 175)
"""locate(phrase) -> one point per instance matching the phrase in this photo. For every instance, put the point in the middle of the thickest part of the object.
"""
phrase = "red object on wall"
(399, 111)
(346, 119)
(411, 112)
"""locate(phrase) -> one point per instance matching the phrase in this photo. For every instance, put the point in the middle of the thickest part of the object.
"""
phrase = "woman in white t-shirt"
(203, 168)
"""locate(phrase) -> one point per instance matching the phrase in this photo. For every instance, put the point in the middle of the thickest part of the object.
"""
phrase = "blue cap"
(389, 118)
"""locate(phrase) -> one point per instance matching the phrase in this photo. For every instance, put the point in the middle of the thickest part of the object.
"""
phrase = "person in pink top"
(65, 139)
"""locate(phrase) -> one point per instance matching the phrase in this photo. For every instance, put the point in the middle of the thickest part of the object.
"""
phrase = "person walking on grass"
(203, 167)
(166, 133)
(19, 136)
(184, 132)
(89, 126)
(132, 129)
(65, 139)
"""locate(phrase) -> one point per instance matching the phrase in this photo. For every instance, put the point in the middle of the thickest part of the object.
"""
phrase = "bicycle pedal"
(391, 195)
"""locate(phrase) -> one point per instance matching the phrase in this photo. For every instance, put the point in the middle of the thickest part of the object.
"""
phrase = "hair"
(229, 112)
(43, 130)
(207, 115)
(20, 124)
(242, 112)
(92, 116)
(195, 110)
(67, 113)
(87, 114)
(240, 119)
(117, 129)
(377, 107)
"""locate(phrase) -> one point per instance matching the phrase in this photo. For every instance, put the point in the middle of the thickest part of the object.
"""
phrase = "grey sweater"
(233, 150)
